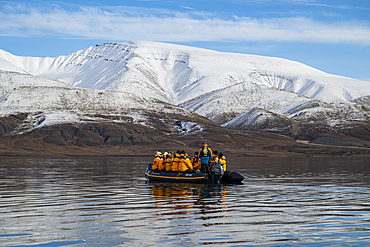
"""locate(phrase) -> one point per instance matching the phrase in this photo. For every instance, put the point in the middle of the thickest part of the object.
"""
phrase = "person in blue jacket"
(205, 155)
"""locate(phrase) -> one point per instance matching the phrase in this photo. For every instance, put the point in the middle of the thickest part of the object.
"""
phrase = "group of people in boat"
(181, 162)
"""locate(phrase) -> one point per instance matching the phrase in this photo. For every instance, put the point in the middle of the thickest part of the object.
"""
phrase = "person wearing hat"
(168, 162)
(185, 164)
(222, 160)
(161, 165)
(195, 161)
(157, 161)
(205, 155)
(214, 158)
(175, 162)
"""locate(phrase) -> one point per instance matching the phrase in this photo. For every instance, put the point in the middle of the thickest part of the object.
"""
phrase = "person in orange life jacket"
(162, 164)
(195, 161)
(185, 164)
(157, 161)
(168, 162)
(205, 154)
(175, 162)
(214, 158)
(222, 160)
(190, 165)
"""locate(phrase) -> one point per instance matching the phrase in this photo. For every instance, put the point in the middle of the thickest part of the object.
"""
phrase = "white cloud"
(316, 3)
(186, 7)
(129, 23)
(346, 7)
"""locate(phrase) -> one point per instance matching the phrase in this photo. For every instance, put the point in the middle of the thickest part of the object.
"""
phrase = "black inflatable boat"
(215, 176)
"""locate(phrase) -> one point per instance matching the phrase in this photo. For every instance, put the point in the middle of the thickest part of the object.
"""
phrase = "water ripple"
(96, 202)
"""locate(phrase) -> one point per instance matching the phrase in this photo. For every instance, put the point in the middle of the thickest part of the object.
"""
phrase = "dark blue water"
(108, 202)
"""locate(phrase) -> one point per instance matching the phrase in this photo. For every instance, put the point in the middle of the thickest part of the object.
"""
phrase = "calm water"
(107, 202)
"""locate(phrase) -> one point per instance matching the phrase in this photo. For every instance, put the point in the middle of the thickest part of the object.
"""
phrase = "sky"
(329, 35)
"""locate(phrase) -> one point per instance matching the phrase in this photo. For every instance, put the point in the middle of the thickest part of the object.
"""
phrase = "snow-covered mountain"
(237, 90)
(50, 102)
(37, 110)
(177, 74)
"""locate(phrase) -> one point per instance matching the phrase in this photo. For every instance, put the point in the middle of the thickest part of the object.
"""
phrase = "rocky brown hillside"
(110, 138)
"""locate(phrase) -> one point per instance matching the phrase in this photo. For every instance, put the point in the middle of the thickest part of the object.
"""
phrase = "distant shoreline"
(311, 150)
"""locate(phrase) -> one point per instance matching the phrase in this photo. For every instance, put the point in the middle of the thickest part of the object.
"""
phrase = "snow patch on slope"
(188, 126)
(257, 119)
(329, 112)
(223, 105)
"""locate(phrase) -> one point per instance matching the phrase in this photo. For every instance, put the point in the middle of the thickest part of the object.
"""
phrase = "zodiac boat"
(161, 176)
(196, 177)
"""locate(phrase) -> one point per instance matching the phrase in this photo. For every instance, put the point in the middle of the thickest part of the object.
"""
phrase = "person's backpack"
(205, 152)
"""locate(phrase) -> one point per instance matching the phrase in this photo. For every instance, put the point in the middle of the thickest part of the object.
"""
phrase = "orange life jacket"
(195, 161)
(205, 151)
(214, 159)
(161, 163)
(184, 163)
(175, 163)
(222, 160)
(156, 162)
(168, 163)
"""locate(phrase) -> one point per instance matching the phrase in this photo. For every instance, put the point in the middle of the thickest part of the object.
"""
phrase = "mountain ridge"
(142, 82)
(159, 64)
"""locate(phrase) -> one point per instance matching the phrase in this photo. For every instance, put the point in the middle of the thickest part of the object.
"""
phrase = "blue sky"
(332, 36)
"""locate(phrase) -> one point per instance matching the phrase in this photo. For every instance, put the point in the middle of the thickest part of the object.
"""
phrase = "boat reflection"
(176, 199)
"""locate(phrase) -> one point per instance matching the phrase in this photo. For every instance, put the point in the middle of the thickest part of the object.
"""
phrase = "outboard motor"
(217, 171)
